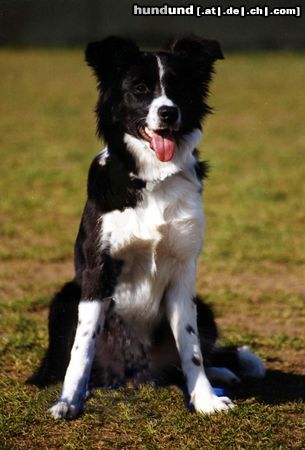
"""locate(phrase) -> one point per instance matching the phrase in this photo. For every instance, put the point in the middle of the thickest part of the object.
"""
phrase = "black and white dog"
(131, 311)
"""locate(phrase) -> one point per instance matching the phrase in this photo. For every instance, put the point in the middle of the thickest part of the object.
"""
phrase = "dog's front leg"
(182, 316)
(91, 316)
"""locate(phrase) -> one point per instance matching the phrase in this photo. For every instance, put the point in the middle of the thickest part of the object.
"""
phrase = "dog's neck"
(150, 169)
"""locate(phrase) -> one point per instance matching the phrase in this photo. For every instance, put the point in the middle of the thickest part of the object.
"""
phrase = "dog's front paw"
(65, 410)
(208, 404)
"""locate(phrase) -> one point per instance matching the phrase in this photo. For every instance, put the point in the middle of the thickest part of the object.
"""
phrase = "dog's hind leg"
(181, 312)
(91, 317)
(221, 375)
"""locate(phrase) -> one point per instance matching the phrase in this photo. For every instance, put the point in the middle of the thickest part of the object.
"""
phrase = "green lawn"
(252, 268)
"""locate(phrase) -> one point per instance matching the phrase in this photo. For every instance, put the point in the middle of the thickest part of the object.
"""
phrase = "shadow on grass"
(275, 389)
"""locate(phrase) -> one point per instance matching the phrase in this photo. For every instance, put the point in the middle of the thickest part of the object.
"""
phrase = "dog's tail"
(63, 317)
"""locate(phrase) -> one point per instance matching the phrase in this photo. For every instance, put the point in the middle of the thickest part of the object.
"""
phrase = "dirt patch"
(19, 278)
(287, 361)
(268, 303)
(275, 278)
(262, 324)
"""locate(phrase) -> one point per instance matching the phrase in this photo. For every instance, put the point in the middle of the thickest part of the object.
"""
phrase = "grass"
(252, 268)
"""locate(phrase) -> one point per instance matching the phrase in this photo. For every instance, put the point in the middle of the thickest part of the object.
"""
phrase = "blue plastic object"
(220, 392)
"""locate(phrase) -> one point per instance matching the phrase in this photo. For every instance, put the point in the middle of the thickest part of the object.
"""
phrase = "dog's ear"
(110, 57)
(197, 48)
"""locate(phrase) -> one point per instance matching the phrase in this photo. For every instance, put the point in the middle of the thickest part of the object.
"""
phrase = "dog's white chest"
(164, 231)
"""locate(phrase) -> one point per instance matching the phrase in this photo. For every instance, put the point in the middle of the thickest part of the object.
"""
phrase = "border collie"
(131, 312)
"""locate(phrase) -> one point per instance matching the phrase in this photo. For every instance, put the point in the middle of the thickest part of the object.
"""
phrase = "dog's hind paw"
(65, 410)
(212, 404)
(251, 365)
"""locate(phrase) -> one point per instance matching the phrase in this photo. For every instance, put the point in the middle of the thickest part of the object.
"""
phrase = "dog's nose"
(168, 114)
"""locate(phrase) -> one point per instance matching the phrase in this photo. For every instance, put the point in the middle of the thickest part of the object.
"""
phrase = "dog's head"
(157, 97)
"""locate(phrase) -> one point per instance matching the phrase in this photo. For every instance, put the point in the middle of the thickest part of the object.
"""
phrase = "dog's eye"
(140, 89)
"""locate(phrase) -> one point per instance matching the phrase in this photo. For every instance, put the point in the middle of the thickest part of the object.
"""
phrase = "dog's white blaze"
(153, 119)
(161, 74)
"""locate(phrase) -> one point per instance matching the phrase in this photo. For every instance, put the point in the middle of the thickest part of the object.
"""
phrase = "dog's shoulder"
(110, 186)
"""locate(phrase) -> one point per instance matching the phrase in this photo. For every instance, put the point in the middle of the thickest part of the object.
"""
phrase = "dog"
(131, 312)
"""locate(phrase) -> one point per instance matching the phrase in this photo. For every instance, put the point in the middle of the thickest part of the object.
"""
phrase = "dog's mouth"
(161, 141)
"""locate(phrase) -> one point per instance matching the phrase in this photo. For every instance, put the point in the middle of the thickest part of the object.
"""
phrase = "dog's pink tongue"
(164, 147)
